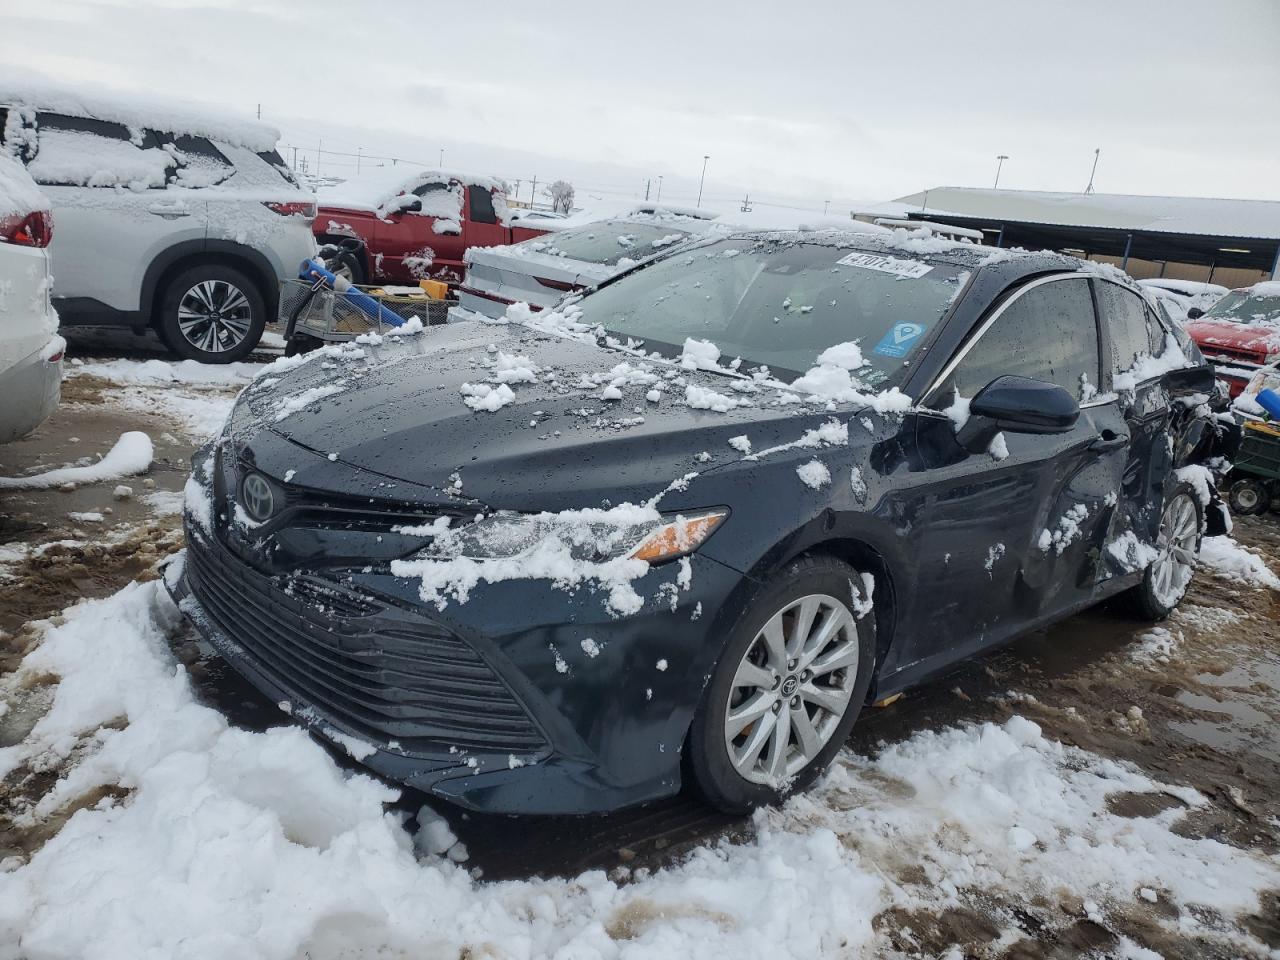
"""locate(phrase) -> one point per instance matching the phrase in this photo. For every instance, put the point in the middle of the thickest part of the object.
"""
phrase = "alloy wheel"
(214, 316)
(1179, 531)
(792, 688)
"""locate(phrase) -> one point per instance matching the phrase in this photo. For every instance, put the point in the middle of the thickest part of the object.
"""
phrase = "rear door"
(1005, 536)
(116, 204)
(481, 227)
(1141, 404)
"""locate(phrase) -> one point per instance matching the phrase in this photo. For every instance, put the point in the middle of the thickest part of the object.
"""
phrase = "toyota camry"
(680, 530)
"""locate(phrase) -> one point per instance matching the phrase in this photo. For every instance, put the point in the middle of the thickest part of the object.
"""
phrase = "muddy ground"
(1194, 702)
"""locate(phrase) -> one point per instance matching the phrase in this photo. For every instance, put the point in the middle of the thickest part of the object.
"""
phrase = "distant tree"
(561, 194)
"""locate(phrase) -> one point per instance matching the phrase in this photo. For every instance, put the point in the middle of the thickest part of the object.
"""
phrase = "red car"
(415, 225)
(1239, 333)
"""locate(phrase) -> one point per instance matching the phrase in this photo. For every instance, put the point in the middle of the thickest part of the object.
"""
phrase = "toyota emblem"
(256, 497)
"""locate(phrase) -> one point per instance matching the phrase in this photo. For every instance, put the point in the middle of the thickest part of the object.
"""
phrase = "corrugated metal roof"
(1245, 219)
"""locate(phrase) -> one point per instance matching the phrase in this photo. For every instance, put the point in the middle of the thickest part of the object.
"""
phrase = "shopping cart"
(318, 307)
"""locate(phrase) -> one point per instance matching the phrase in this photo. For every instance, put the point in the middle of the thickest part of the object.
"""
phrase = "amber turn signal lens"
(678, 537)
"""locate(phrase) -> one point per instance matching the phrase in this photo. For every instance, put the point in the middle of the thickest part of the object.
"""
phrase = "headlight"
(590, 535)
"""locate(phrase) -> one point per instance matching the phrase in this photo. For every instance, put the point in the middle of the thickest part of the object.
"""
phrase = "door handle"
(1109, 440)
(169, 212)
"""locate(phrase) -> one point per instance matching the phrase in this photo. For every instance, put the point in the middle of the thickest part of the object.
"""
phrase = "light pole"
(825, 204)
(705, 158)
(999, 163)
(1089, 188)
(659, 200)
(442, 157)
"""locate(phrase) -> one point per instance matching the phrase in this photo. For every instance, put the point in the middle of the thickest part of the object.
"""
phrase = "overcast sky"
(797, 103)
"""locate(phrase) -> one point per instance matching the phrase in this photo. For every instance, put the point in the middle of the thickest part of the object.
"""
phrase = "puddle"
(1247, 730)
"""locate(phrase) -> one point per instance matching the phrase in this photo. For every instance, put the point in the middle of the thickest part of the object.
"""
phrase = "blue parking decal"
(899, 341)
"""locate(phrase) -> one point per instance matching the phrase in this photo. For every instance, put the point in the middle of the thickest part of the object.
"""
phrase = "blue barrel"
(1269, 401)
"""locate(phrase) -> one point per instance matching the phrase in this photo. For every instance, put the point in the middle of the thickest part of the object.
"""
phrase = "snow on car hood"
(527, 420)
(1254, 337)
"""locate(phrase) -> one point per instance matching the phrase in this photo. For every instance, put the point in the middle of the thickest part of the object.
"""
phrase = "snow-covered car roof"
(19, 194)
(370, 191)
(138, 112)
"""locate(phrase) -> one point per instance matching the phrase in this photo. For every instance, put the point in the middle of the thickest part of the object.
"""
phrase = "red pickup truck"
(1240, 333)
(415, 224)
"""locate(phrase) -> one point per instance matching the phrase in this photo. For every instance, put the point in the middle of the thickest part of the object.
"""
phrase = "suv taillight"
(34, 229)
(293, 208)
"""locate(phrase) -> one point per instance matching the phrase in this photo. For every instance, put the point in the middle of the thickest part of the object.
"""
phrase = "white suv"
(30, 348)
(167, 217)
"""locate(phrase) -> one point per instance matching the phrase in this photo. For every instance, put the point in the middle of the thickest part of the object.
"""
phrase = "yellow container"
(436, 289)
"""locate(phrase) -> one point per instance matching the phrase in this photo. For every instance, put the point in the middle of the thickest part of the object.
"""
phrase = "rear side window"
(199, 162)
(481, 205)
(1047, 333)
(1131, 328)
(276, 162)
(80, 152)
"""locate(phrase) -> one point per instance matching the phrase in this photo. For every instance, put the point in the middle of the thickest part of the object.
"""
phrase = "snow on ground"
(235, 843)
(1227, 559)
(198, 395)
(130, 456)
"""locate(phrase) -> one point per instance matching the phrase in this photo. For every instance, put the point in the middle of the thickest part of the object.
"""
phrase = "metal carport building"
(1232, 242)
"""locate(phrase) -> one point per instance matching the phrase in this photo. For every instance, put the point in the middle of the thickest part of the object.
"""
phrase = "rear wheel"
(1166, 579)
(1249, 496)
(211, 313)
(787, 689)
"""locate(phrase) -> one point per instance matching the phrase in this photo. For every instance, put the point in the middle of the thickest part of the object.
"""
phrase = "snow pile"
(704, 398)
(700, 355)
(1230, 561)
(814, 473)
(130, 456)
(569, 548)
(481, 396)
(18, 193)
(236, 843)
(1067, 531)
(1147, 367)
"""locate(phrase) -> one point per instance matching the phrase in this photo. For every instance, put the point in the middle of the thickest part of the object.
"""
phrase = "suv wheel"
(787, 689)
(1166, 579)
(211, 313)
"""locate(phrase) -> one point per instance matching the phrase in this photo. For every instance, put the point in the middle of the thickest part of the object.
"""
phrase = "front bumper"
(495, 704)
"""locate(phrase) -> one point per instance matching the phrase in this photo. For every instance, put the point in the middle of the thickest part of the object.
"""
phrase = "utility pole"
(295, 158)
(705, 158)
(319, 144)
(646, 190)
(999, 163)
(659, 198)
(358, 149)
(259, 111)
(533, 192)
(825, 204)
(1089, 188)
(746, 204)
(442, 158)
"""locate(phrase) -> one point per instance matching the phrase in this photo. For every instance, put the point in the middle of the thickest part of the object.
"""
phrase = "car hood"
(1256, 338)
(399, 411)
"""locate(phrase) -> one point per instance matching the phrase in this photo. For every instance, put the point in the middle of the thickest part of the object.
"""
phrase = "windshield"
(1241, 306)
(781, 303)
(608, 242)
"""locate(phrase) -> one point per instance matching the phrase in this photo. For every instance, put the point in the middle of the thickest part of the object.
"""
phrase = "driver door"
(1009, 535)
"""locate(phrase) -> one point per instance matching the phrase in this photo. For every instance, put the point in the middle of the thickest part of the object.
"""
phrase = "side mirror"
(1019, 405)
(1195, 313)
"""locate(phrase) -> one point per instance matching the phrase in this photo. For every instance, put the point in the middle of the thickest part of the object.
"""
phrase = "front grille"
(373, 670)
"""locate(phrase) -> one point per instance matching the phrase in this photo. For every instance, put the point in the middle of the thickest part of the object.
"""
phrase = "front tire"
(1166, 579)
(787, 689)
(211, 313)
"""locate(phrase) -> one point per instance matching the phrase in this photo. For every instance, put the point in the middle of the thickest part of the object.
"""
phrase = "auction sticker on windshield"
(871, 261)
(899, 341)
